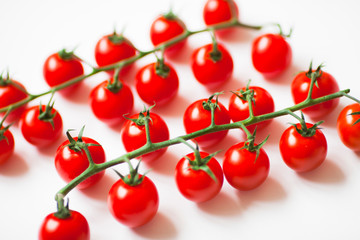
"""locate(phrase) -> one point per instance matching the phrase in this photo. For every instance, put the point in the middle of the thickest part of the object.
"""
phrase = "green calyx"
(116, 38)
(314, 74)
(114, 86)
(247, 94)
(133, 178)
(2, 133)
(170, 15)
(304, 130)
(209, 104)
(250, 142)
(354, 114)
(161, 68)
(65, 55)
(4, 81)
(78, 145)
(144, 116)
(47, 115)
(215, 54)
(281, 32)
(63, 211)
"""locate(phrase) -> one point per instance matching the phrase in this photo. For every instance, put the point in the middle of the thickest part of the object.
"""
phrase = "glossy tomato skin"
(40, 132)
(12, 93)
(196, 117)
(153, 88)
(57, 70)
(134, 136)
(303, 154)
(264, 103)
(348, 131)
(327, 85)
(133, 206)
(110, 107)
(70, 164)
(74, 227)
(197, 185)
(242, 171)
(208, 72)
(165, 28)
(7, 145)
(271, 54)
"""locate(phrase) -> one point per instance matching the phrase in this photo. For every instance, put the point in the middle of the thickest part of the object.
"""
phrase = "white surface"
(323, 204)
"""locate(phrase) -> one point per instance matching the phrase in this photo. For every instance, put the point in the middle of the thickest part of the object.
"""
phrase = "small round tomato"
(303, 153)
(74, 227)
(157, 84)
(166, 27)
(7, 144)
(197, 117)
(39, 129)
(347, 128)
(194, 183)
(110, 105)
(133, 134)
(271, 54)
(243, 170)
(61, 67)
(239, 108)
(212, 67)
(71, 163)
(135, 205)
(326, 85)
(113, 48)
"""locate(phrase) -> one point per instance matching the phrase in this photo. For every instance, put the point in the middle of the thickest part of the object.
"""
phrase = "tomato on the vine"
(157, 83)
(348, 126)
(109, 104)
(7, 144)
(271, 54)
(212, 65)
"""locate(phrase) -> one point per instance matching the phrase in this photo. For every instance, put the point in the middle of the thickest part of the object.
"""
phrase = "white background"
(323, 204)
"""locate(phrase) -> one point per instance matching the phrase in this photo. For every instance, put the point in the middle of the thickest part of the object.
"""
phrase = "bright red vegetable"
(7, 144)
(348, 127)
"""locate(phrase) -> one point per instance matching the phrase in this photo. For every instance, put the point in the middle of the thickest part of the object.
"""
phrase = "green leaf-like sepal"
(208, 105)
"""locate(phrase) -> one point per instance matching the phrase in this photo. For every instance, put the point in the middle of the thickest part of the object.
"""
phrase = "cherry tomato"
(196, 117)
(11, 92)
(239, 108)
(7, 144)
(348, 131)
(40, 132)
(109, 106)
(166, 27)
(327, 85)
(133, 206)
(70, 163)
(196, 184)
(301, 153)
(212, 71)
(271, 54)
(243, 170)
(134, 136)
(61, 67)
(113, 48)
(74, 227)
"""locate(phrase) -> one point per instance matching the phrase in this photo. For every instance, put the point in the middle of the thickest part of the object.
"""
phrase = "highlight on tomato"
(348, 126)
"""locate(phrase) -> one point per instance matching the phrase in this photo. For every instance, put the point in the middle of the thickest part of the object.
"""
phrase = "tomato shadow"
(51, 149)
(330, 119)
(236, 35)
(165, 164)
(286, 77)
(160, 227)
(275, 128)
(182, 57)
(221, 205)
(100, 190)
(175, 107)
(14, 166)
(79, 95)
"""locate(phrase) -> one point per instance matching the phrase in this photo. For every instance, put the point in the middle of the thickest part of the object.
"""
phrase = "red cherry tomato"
(7, 144)
(302, 154)
(327, 85)
(165, 28)
(70, 163)
(241, 168)
(61, 67)
(74, 227)
(12, 92)
(40, 132)
(133, 206)
(348, 131)
(210, 71)
(195, 184)
(271, 54)
(239, 108)
(109, 106)
(134, 136)
(113, 48)
(196, 117)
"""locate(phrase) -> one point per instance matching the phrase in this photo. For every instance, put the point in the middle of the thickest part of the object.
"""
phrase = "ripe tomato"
(74, 227)
(70, 163)
(113, 48)
(61, 67)
(109, 106)
(327, 85)
(196, 184)
(166, 27)
(154, 87)
(40, 132)
(196, 117)
(302, 153)
(134, 136)
(239, 108)
(135, 205)
(348, 131)
(7, 144)
(241, 168)
(212, 70)
(271, 54)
